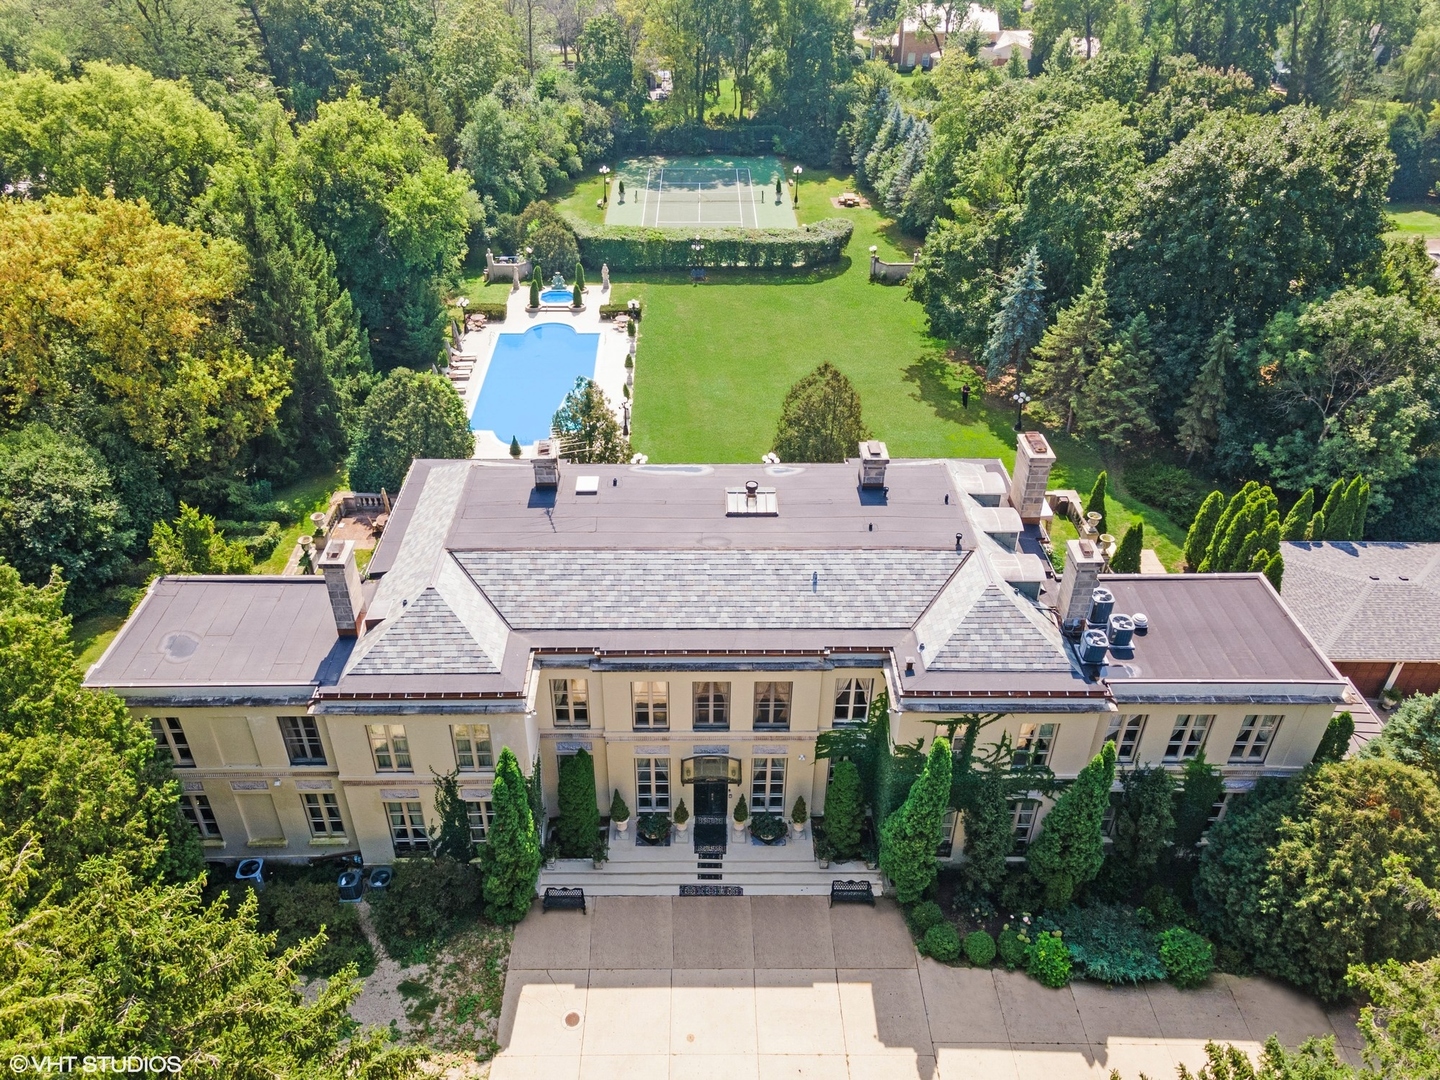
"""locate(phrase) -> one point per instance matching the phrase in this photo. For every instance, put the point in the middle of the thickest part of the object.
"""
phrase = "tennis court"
(709, 192)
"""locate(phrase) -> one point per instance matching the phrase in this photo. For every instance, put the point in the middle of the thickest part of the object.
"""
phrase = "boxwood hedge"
(641, 248)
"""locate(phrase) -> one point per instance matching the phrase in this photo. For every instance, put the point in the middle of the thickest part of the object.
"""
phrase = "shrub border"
(640, 248)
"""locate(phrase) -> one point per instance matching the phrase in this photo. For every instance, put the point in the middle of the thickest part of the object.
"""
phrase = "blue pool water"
(528, 378)
(556, 296)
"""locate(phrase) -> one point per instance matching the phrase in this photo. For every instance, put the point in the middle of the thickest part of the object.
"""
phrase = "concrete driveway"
(755, 988)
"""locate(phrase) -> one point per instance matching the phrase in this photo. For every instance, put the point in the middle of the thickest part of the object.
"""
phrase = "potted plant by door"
(768, 828)
(682, 816)
(799, 815)
(741, 815)
(619, 813)
(654, 829)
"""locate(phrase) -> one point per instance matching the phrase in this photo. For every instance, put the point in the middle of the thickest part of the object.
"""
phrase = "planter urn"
(621, 826)
(798, 827)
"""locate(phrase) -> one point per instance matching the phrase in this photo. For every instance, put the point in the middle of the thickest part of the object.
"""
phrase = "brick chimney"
(342, 582)
(1033, 461)
(1083, 562)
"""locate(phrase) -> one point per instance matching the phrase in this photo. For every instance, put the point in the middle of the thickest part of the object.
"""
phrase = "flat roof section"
(1219, 627)
(226, 631)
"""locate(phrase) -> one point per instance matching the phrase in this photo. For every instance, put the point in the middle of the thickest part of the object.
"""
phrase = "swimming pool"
(556, 296)
(528, 377)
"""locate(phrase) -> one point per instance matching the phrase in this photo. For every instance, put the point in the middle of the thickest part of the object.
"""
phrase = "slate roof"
(996, 635)
(1366, 600)
(673, 590)
(427, 639)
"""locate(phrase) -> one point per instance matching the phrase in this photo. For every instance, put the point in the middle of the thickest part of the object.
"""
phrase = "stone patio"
(784, 986)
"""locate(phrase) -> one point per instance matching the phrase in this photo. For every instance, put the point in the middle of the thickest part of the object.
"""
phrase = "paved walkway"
(750, 988)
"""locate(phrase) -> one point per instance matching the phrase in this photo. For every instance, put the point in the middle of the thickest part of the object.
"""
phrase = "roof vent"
(909, 665)
(873, 459)
(547, 464)
(1141, 621)
(587, 485)
(751, 501)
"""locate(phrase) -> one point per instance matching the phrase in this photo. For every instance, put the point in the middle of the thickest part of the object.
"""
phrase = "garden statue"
(558, 281)
(605, 277)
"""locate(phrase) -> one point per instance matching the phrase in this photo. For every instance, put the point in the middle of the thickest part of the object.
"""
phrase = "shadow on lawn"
(739, 276)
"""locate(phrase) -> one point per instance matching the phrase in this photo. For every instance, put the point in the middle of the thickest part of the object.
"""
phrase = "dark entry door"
(710, 796)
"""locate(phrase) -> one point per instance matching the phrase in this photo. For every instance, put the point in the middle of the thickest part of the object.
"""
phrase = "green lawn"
(1416, 219)
(715, 361)
(306, 497)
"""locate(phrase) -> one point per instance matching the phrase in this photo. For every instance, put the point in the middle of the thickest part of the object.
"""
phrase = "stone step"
(633, 882)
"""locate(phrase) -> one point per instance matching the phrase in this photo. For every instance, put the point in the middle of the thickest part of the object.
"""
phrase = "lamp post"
(605, 183)
(697, 249)
(796, 196)
(625, 418)
(1021, 399)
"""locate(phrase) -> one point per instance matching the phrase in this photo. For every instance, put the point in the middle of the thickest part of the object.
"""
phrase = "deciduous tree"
(409, 414)
(587, 428)
(820, 419)
(193, 545)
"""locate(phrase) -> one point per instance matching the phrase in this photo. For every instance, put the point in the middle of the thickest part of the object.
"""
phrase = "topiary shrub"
(579, 816)
(941, 942)
(1012, 947)
(421, 906)
(979, 948)
(923, 916)
(1048, 960)
(1188, 958)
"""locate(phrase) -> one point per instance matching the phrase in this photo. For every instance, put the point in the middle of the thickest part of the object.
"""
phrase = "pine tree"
(844, 813)
(1095, 504)
(1275, 571)
(1298, 519)
(579, 816)
(512, 851)
(989, 833)
(514, 446)
(1019, 324)
(452, 839)
(1118, 399)
(1199, 417)
(1072, 348)
(1202, 529)
(1332, 510)
(1071, 847)
(1362, 508)
(1127, 554)
(911, 834)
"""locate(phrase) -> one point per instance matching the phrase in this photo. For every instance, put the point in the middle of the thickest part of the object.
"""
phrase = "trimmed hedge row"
(492, 312)
(635, 247)
(609, 311)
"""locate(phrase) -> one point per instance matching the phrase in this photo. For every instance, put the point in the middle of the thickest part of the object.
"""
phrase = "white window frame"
(481, 815)
(1023, 813)
(1036, 743)
(1218, 809)
(389, 747)
(852, 701)
(773, 702)
(197, 810)
(711, 700)
(1187, 737)
(322, 810)
(650, 705)
(767, 785)
(408, 833)
(570, 701)
(652, 785)
(468, 740)
(947, 834)
(1257, 733)
(301, 735)
(170, 734)
(1125, 732)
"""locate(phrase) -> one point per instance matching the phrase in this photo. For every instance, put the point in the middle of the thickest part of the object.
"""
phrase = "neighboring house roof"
(256, 631)
(1366, 600)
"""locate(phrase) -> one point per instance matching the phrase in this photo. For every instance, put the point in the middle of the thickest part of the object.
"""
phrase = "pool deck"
(479, 345)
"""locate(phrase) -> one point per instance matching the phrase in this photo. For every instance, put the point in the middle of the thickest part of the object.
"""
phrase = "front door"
(710, 798)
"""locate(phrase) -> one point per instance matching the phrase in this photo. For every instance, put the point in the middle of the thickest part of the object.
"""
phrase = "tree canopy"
(408, 415)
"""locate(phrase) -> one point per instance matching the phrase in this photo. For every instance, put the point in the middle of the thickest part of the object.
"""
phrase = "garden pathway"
(750, 988)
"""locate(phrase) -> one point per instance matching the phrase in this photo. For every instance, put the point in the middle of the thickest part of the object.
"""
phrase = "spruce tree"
(1071, 847)
(579, 816)
(1095, 504)
(1331, 509)
(911, 834)
(1017, 327)
(1202, 530)
(1119, 398)
(512, 850)
(1298, 519)
(844, 813)
(1199, 417)
(1127, 554)
(452, 839)
(1071, 349)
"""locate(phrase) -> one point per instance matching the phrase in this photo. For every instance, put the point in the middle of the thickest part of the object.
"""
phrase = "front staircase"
(695, 857)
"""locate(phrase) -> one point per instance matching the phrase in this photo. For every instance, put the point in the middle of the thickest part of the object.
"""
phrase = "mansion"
(695, 628)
